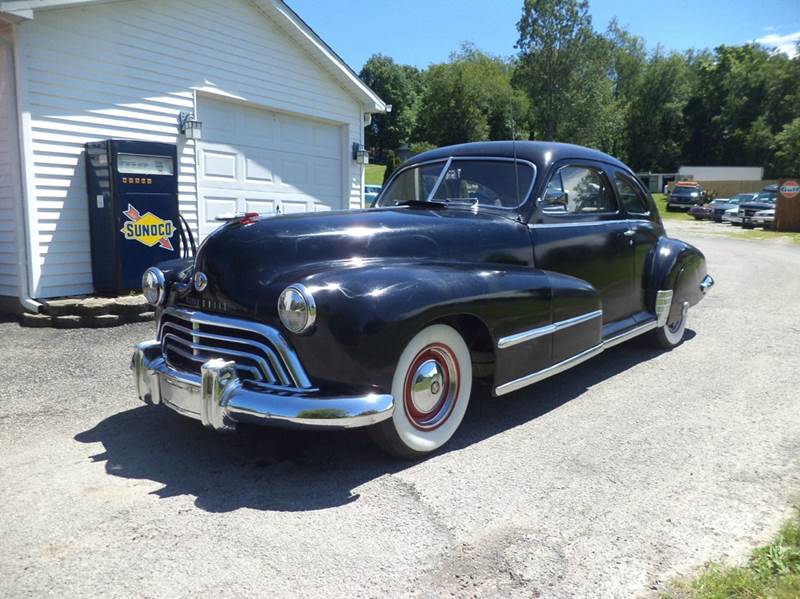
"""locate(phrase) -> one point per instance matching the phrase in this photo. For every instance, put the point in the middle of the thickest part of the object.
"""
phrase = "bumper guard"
(220, 399)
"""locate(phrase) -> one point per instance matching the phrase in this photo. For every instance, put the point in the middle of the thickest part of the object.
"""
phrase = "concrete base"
(90, 312)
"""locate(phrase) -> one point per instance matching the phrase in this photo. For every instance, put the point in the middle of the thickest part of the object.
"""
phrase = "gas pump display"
(133, 211)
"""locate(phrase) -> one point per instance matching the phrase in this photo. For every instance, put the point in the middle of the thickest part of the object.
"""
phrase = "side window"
(630, 195)
(578, 190)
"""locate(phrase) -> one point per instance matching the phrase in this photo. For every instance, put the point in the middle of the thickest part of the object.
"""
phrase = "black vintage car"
(509, 262)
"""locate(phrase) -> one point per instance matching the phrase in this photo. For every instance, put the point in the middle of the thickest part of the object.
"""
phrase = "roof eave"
(18, 10)
(299, 29)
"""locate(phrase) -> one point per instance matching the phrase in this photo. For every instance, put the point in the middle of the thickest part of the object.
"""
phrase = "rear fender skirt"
(680, 267)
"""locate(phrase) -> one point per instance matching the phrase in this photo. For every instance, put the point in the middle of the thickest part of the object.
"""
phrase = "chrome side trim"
(630, 334)
(663, 304)
(535, 377)
(530, 335)
(539, 375)
(588, 223)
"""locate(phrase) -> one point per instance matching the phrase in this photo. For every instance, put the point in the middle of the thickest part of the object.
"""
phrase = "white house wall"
(9, 169)
(126, 70)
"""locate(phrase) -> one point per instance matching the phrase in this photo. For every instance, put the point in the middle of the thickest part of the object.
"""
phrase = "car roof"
(540, 153)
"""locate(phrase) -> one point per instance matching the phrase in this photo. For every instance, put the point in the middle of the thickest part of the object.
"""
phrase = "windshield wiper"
(422, 203)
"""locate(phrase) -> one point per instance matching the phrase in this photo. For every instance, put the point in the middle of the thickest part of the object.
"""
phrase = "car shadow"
(294, 470)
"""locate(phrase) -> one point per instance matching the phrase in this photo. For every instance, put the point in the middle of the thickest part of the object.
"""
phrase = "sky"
(421, 32)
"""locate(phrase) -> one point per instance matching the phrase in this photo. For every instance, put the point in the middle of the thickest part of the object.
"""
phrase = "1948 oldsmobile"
(509, 262)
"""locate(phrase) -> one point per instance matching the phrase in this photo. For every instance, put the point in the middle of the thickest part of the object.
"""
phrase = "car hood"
(247, 264)
(757, 205)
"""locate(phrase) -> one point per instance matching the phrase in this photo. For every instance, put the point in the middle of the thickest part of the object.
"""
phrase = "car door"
(578, 229)
(645, 228)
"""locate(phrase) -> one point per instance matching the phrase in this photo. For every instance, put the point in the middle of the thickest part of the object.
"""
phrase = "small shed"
(722, 173)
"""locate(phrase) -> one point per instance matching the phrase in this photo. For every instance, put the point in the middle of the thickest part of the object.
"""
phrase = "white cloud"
(782, 43)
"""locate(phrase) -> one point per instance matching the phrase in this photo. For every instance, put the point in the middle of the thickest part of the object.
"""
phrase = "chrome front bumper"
(220, 399)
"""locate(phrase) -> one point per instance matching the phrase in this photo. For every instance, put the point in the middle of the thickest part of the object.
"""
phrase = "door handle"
(630, 233)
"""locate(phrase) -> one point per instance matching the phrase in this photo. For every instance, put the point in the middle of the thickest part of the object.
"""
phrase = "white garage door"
(254, 160)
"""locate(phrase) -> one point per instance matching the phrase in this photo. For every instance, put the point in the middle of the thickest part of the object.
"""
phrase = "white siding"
(9, 169)
(126, 70)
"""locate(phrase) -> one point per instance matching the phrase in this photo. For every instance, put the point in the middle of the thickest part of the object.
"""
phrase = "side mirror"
(554, 202)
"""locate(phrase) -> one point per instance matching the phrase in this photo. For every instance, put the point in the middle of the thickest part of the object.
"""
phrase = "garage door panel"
(294, 206)
(327, 139)
(217, 164)
(214, 206)
(258, 168)
(256, 160)
(294, 172)
(260, 206)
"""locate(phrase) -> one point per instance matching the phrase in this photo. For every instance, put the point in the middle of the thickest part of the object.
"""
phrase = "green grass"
(374, 174)
(661, 202)
(772, 572)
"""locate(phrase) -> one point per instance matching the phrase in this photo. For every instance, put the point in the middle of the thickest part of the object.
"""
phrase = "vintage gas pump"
(133, 211)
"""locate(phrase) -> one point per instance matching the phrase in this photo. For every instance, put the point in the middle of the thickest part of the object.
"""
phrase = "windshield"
(412, 185)
(495, 183)
(686, 191)
(766, 196)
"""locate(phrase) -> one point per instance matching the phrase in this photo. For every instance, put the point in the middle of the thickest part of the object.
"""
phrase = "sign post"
(787, 209)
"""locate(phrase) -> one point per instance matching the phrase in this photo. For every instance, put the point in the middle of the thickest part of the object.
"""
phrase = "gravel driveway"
(605, 481)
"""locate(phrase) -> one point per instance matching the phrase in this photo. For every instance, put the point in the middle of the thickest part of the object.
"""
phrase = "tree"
(400, 86)
(656, 130)
(470, 98)
(557, 68)
(392, 162)
(787, 151)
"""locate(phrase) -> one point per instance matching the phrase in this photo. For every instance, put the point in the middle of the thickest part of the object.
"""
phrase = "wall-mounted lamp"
(190, 126)
(360, 153)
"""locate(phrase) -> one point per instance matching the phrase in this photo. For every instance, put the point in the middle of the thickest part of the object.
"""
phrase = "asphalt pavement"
(605, 481)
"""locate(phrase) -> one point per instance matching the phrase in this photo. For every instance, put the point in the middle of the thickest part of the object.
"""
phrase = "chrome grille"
(189, 338)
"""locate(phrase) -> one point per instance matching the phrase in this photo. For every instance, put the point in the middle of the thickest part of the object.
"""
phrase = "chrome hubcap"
(426, 386)
(431, 387)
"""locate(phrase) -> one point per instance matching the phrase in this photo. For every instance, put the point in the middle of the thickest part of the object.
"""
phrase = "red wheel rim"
(431, 386)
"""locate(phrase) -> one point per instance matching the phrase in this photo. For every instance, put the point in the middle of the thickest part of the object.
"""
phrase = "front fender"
(680, 267)
(367, 315)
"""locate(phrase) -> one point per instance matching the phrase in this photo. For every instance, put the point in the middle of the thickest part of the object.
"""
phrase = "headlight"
(153, 286)
(296, 308)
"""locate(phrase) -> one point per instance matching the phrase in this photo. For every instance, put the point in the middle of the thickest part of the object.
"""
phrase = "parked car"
(765, 200)
(765, 218)
(731, 215)
(371, 193)
(684, 196)
(702, 211)
(720, 206)
(509, 262)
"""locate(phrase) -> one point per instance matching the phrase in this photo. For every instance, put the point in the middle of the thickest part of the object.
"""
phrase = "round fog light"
(296, 308)
(154, 286)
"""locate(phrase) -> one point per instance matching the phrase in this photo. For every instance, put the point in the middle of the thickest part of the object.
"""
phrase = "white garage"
(280, 115)
(257, 160)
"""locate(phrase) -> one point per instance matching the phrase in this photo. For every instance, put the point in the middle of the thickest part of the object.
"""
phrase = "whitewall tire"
(431, 388)
(671, 335)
